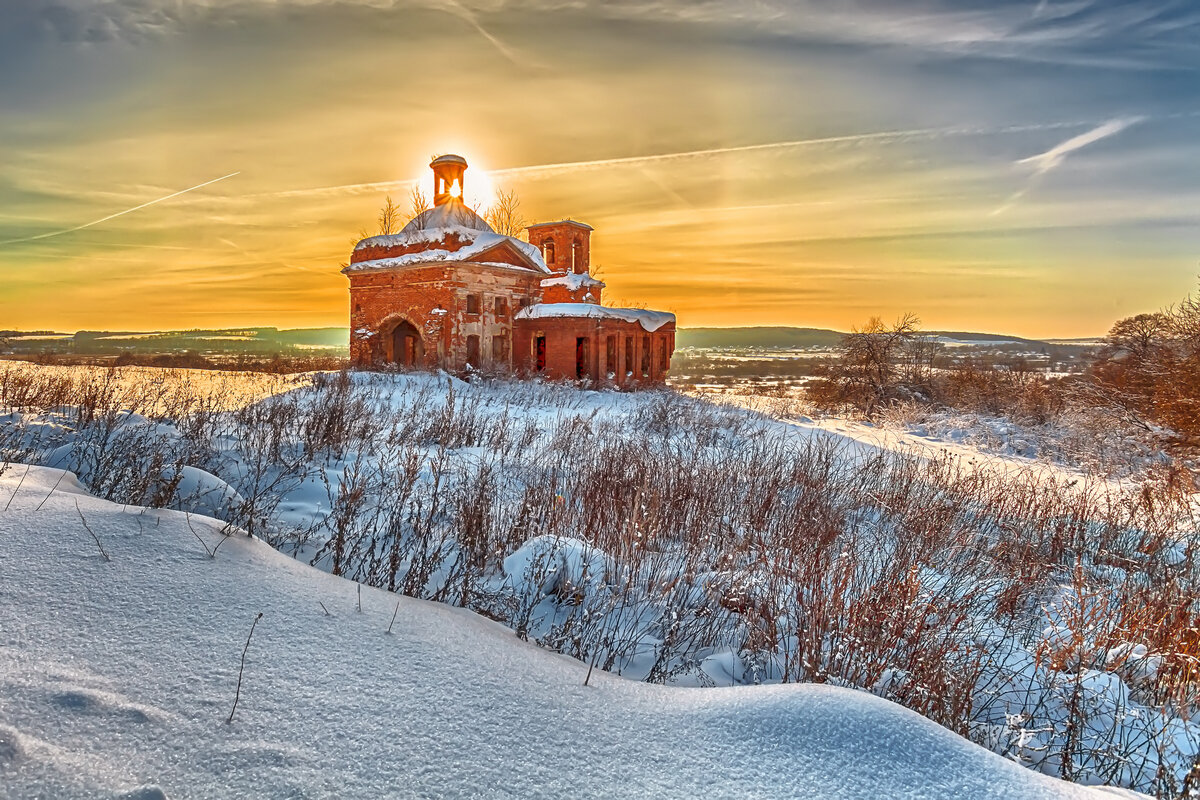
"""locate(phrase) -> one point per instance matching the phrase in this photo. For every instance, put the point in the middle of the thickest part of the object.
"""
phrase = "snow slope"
(116, 678)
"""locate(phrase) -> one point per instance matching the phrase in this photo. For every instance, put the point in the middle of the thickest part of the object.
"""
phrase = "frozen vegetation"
(1042, 613)
(121, 644)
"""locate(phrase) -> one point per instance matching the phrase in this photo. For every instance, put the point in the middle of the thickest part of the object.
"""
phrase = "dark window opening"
(540, 353)
(664, 359)
(473, 303)
(577, 256)
(501, 306)
(473, 351)
(357, 308)
(548, 251)
(610, 355)
(645, 356)
(581, 357)
(628, 355)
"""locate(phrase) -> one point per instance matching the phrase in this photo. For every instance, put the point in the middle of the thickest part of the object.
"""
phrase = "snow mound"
(475, 242)
(120, 672)
(573, 281)
(649, 320)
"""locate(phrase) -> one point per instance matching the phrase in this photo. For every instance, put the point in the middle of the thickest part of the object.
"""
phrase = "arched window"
(576, 256)
(548, 251)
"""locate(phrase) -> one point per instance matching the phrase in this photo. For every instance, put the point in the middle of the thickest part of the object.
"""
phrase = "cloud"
(519, 58)
(119, 213)
(569, 167)
(1043, 163)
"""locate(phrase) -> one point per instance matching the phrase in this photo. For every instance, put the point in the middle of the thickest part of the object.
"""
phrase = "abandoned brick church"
(450, 292)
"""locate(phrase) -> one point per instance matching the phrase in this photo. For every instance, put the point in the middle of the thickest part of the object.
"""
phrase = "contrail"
(1044, 162)
(1054, 157)
(457, 9)
(887, 136)
(655, 158)
(119, 213)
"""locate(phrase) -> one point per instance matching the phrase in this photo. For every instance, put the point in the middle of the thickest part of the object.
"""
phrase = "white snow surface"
(649, 320)
(448, 214)
(117, 676)
(573, 281)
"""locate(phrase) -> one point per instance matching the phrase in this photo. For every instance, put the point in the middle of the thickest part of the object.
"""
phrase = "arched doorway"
(405, 345)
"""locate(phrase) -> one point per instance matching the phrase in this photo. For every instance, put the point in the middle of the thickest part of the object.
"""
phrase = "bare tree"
(872, 359)
(505, 216)
(1148, 372)
(418, 203)
(389, 217)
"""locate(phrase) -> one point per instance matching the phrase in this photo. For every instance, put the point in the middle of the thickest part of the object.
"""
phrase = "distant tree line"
(1146, 372)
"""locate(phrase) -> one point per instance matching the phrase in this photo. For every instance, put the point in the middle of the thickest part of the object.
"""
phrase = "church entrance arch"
(405, 346)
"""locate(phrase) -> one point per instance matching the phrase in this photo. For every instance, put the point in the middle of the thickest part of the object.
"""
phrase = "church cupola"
(448, 178)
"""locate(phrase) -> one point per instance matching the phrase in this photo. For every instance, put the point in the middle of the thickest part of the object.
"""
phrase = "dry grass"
(683, 538)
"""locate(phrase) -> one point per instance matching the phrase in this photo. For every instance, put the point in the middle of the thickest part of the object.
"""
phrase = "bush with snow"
(1043, 613)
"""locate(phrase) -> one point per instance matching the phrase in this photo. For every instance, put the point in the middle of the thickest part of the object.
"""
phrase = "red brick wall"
(562, 334)
(380, 300)
(561, 294)
(565, 236)
(451, 242)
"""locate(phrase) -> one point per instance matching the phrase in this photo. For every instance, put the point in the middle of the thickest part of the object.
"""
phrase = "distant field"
(216, 342)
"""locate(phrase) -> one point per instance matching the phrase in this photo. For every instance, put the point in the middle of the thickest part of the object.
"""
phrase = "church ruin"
(449, 292)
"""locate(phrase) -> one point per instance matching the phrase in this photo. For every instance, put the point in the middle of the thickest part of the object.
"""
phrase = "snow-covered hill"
(117, 676)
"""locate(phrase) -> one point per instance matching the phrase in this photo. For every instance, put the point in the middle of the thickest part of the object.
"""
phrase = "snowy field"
(117, 676)
(699, 559)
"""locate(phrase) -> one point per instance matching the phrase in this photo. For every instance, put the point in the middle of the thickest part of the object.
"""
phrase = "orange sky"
(809, 171)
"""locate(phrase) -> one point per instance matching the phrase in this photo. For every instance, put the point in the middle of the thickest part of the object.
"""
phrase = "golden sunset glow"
(736, 171)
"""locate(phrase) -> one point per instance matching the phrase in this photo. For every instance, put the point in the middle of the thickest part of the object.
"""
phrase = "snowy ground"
(117, 676)
(648, 532)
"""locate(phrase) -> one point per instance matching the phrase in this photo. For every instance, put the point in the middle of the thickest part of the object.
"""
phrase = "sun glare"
(476, 189)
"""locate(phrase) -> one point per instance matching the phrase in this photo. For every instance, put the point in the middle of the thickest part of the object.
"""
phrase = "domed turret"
(448, 178)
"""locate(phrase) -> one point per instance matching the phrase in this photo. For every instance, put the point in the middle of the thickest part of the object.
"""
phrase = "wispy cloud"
(519, 58)
(1043, 163)
(119, 213)
(567, 167)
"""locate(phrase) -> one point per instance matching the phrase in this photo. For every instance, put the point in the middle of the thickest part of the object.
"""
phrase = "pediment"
(505, 253)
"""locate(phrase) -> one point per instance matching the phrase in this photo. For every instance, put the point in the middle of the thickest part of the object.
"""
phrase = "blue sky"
(1029, 167)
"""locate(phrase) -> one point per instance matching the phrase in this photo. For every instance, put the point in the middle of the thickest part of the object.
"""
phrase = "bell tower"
(448, 178)
(566, 245)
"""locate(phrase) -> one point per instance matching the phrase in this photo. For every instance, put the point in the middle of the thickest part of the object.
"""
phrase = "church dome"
(449, 214)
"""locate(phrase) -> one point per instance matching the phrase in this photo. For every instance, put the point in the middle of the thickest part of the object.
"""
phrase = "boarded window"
(473, 350)
(500, 349)
(473, 303)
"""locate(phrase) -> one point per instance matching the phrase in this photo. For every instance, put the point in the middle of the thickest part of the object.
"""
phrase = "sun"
(477, 191)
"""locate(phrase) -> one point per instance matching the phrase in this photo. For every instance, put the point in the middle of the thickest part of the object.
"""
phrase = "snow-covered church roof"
(649, 320)
(469, 245)
(449, 232)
